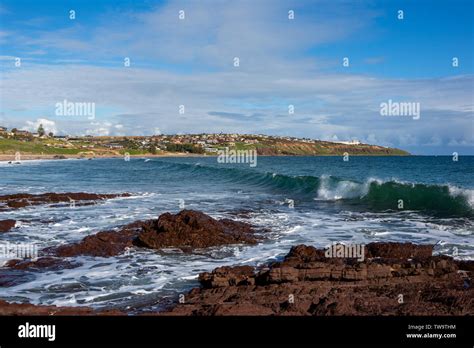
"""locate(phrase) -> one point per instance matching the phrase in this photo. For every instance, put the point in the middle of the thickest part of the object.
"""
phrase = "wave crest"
(444, 200)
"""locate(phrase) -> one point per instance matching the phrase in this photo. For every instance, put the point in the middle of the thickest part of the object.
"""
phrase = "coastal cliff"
(179, 145)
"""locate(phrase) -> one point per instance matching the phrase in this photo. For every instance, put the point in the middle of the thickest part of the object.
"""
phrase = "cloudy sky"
(283, 61)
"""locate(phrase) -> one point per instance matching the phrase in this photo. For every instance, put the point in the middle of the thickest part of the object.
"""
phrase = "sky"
(47, 57)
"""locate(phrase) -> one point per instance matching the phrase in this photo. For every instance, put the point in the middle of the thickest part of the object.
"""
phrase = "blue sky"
(190, 62)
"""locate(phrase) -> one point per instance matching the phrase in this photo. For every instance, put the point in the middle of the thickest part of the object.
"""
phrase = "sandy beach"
(30, 157)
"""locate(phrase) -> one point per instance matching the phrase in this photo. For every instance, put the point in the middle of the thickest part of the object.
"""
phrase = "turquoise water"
(312, 200)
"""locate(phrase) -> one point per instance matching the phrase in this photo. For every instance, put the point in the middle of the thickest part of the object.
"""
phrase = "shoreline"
(366, 279)
(306, 282)
(33, 157)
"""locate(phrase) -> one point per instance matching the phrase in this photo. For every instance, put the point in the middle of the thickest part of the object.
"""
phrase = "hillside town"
(199, 144)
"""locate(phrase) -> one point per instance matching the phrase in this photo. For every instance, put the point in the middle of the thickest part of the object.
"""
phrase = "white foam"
(466, 193)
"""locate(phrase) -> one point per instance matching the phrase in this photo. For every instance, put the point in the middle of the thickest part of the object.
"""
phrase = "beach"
(35, 157)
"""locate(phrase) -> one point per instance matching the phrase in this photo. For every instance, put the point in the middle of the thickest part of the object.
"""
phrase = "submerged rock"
(7, 225)
(13, 277)
(42, 263)
(21, 200)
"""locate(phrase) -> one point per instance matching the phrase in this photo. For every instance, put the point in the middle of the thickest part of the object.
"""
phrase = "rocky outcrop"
(7, 308)
(228, 276)
(398, 250)
(19, 271)
(42, 263)
(396, 279)
(191, 229)
(186, 230)
(7, 225)
(105, 243)
(21, 200)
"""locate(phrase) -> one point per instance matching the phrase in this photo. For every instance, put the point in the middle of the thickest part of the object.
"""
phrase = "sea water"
(297, 200)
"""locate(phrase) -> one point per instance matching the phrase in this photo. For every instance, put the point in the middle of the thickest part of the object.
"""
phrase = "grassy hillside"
(267, 147)
(37, 147)
(319, 148)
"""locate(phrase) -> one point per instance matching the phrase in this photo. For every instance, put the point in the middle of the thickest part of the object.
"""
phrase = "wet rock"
(42, 263)
(465, 265)
(307, 283)
(282, 274)
(303, 253)
(21, 200)
(105, 243)
(191, 229)
(398, 250)
(228, 276)
(7, 225)
(7, 308)
(186, 230)
(18, 271)
(12, 277)
(241, 309)
(18, 204)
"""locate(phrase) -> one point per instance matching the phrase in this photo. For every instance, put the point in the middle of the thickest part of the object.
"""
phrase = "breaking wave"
(442, 200)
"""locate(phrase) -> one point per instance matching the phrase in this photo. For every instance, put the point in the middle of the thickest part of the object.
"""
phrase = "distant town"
(42, 142)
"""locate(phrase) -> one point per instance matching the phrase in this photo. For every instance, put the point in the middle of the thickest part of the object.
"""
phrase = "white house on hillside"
(350, 142)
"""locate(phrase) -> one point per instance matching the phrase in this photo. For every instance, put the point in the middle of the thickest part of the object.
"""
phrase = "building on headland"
(23, 132)
(350, 142)
(113, 146)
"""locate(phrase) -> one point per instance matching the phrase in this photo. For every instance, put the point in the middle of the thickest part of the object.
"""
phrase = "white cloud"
(135, 101)
(197, 54)
(48, 125)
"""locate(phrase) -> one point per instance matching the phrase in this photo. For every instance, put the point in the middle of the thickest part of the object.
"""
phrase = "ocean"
(296, 200)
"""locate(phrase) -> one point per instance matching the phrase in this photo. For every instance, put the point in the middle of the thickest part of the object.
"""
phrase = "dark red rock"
(105, 243)
(18, 204)
(7, 225)
(7, 308)
(398, 250)
(21, 200)
(228, 276)
(186, 230)
(307, 283)
(42, 263)
(191, 229)
(466, 265)
(303, 253)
